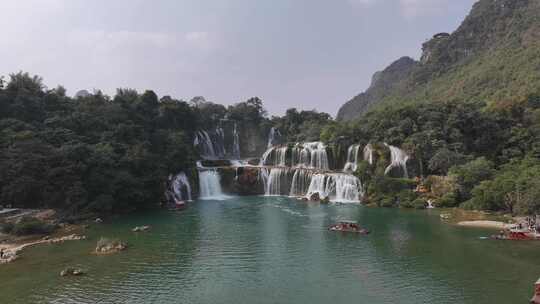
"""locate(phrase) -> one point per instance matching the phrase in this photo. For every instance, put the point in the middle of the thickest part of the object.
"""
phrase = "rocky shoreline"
(11, 252)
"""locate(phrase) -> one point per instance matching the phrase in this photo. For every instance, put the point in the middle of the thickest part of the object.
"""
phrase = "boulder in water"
(108, 246)
(315, 197)
(141, 228)
(71, 272)
(325, 200)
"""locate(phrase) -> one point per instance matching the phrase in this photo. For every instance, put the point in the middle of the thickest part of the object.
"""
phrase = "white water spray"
(338, 187)
(352, 159)
(368, 153)
(181, 187)
(236, 143)
(300, 182)
(273, 137)
(209, 184)
(276, 181)
(398, 158)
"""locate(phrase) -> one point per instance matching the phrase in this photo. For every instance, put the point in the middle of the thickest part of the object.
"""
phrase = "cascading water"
(368, 154)
(303, 155)
(274, 137)
(348, 188)
(219, 142)
(236, 143)
(319, 156)
(398, 158)
(181, 187)
(210, 186)
(300, 182)
(352, 159)
(203, 140)
(211, 144)
(338, 187)
(275, 156)
(277, 181)
(300, 156)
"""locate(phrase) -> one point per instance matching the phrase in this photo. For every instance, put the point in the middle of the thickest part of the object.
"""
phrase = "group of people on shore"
(531, 224)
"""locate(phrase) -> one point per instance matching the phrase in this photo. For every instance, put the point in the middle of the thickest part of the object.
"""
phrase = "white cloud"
(362, 2)
(200, 40)
(408, 8)
(415, 8)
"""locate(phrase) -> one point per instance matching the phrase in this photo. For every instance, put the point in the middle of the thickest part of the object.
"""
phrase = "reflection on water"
(278, 250)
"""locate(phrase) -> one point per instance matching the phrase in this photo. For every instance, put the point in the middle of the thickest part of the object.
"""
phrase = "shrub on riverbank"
(30, 225)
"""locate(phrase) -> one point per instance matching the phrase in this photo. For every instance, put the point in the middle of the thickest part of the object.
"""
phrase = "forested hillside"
(493, 57)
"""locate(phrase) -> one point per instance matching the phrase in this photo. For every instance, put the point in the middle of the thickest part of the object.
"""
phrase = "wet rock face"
(315, 197)
(242, 180)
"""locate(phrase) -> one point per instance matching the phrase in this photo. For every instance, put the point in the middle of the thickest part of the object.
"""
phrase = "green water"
(277, 250)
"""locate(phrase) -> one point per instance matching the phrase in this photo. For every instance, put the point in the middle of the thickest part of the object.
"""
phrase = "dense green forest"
(467, 112)
(97, 154)
(481, 156)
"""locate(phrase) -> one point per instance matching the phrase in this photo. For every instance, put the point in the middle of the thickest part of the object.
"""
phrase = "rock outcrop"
(108, 246)
(386, 82)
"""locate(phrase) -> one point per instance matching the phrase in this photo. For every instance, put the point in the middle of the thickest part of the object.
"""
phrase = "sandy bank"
(485, 224)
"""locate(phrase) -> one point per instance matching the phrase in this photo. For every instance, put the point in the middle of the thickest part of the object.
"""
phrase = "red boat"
(179, 205)
(517, 235)
(348, 226)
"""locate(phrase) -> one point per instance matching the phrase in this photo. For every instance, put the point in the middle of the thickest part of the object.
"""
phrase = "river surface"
(278, 250)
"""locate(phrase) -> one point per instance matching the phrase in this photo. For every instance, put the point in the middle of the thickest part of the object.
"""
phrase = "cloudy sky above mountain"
(291, 53)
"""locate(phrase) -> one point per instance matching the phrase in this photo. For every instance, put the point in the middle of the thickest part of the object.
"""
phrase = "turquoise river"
(278, 250)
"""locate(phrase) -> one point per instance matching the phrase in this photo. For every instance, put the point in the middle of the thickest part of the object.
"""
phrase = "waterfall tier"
(236, 143)
(210, 185)
(368, 153)
(311, 155)
(181, 187)
(398, 159)
(337, 187)
(274, 137)
(352, 159)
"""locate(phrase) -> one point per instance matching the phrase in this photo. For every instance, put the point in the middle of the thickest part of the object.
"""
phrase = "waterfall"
(352, 159)
(398, 159)
(318, 185)
(311, 155)
(277, 182)
(211, 144)
(300, 182)
(319, 156)
(368, 154)
(209, 184)
(275, 156)
(219, 143)
(338, 187)
(236, 143)
(181, 187)
(265, 156)
(203, 140)
(274, 137)
(300, 156)
(348, 188)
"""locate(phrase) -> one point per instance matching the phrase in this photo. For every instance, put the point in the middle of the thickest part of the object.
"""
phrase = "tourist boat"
(516, 234)
(178, 204)
(348, 226)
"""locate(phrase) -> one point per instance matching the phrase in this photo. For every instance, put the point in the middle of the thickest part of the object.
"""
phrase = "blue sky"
(309, 54)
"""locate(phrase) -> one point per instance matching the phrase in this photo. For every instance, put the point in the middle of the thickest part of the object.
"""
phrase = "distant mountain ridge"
(493, 56)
